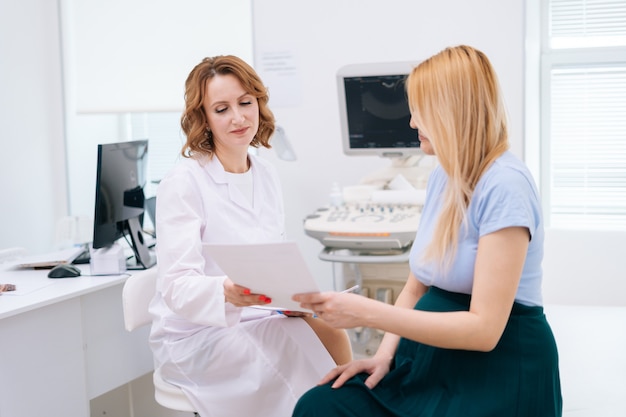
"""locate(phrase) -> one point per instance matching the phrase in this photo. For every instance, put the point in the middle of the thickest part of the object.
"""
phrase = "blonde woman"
(228, 363)
(467, 335)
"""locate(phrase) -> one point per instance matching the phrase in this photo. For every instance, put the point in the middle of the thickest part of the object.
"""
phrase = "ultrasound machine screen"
(374, 112)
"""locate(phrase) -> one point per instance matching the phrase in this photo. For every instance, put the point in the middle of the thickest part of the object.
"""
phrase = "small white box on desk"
(107, 261)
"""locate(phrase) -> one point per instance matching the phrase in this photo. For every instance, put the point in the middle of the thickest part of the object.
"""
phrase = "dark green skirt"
(519, 378)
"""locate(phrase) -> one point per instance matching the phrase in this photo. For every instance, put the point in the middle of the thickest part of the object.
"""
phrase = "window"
(128, 83)
(162, 129)
(166, 141)
(583, 111)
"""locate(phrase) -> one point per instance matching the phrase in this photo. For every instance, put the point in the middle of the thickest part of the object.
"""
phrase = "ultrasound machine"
(367, 229)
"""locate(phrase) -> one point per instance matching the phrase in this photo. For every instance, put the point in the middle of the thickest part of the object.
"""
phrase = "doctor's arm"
(185, 287)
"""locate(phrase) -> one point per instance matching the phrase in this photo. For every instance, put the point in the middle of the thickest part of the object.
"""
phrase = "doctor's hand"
(241, 296)
(339, 310)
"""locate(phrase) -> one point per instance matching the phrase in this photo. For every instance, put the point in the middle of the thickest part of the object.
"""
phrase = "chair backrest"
(136, 296)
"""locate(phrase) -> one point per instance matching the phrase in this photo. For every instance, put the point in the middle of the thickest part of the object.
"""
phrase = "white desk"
(64, 343)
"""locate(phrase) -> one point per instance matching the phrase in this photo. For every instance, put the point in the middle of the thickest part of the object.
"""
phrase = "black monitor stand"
(142, 259)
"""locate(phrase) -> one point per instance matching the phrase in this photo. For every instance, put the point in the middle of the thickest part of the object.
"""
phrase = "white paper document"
(276, 270)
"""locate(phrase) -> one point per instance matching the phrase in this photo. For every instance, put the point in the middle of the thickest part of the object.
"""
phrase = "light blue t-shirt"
(505, 196)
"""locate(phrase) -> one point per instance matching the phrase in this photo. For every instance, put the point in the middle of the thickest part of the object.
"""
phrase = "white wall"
(32, 150)
(585, 268)
(321, 36)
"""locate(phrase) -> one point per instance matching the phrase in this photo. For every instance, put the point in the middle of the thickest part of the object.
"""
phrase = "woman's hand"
(376, 367)
(339, 310)
(241, 296)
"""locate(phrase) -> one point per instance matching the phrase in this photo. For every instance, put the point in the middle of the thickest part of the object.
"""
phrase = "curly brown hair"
(194, 121)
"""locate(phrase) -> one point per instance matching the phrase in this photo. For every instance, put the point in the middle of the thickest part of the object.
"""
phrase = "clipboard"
(277, 270)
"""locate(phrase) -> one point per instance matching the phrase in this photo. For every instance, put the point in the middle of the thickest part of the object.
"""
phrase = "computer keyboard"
(49, 259)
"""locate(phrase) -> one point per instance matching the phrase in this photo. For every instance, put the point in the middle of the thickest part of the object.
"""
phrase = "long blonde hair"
(456, 102)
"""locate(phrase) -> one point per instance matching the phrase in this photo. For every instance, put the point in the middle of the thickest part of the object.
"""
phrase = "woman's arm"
(378, 366)
(408, 297)
(498, 269)
(499, 263)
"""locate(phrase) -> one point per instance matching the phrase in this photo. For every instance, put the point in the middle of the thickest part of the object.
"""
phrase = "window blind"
(576, 23)
(586, 113)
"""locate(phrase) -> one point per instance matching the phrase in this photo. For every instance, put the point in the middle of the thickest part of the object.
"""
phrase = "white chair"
(136, 295)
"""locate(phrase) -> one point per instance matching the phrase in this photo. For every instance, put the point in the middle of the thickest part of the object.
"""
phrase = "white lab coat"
(225, 365)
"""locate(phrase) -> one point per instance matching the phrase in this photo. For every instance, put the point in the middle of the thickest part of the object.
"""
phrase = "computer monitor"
(120, 200)
(374, 112)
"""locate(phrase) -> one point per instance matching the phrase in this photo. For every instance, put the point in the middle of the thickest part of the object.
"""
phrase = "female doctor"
(227, 364)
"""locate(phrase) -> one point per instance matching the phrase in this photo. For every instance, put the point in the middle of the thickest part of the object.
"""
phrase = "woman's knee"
(353, 399)
(314, 402)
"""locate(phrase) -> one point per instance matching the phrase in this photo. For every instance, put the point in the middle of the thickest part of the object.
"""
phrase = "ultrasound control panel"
(375, 226)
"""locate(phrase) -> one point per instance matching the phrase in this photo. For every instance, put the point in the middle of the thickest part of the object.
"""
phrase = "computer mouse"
(64, 271)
